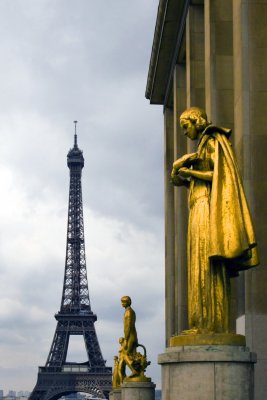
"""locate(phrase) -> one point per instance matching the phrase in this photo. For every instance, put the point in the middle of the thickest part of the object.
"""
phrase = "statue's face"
(189, 128)
(125, 303)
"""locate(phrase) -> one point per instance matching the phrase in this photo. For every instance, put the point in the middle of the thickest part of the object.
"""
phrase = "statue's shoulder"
(129, 311)
(214, 134)
(213, 130)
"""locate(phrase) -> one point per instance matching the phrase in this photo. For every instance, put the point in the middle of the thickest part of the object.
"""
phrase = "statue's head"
(193, 120)
(121, 340)
(126, 301)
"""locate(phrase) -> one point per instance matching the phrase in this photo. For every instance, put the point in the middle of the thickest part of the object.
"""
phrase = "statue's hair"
(196, 115)
(126, 298)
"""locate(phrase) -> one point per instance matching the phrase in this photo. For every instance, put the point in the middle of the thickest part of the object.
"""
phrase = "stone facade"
(138, 391)
(207, 373)
(213, 54)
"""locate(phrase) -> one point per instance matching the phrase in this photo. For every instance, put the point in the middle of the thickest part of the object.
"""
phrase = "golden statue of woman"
(221, 238)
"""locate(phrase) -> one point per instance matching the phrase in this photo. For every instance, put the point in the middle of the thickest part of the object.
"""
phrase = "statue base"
(207, 372)
(137, 379)
(138, 390)
(115, 394)
(231, 339)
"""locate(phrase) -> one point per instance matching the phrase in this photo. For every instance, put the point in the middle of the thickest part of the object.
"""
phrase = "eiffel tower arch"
(59, 377)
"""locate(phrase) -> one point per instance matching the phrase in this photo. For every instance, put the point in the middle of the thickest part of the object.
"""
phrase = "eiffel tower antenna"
(75, 316)
(75, 134)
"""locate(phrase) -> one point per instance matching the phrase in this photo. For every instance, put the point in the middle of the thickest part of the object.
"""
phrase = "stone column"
(170, 268)
(180, 202)
(207, 373)
(219, 89)
(195, 66)
(195, 81)
(115, 394)
(138, 391)
(219, 61)
(250, 99)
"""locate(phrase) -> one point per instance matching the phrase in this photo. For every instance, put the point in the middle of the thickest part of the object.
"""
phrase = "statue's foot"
(192, 331)
(192, 337)
(197, 331)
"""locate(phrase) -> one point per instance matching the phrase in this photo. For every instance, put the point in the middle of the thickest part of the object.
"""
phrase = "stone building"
(213, 54)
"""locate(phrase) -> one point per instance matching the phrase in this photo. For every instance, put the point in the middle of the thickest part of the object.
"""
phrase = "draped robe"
(221, 238)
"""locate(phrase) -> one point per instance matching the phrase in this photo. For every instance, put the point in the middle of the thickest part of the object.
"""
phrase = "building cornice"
(167, 40)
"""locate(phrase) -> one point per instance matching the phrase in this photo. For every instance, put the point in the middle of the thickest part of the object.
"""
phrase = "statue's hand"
(185, 161)
(177, 180)
(185, 172)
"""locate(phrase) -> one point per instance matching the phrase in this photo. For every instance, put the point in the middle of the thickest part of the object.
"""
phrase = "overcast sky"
(82, 60)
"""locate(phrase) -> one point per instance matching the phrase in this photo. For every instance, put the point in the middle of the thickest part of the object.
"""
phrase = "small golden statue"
(128, 355)
(221, 238)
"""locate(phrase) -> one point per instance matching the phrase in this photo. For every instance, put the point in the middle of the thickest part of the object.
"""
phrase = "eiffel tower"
(75, 317)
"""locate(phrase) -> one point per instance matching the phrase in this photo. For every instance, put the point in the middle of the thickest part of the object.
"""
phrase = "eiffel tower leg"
(92, 345)
(58, 352)
(51, 386)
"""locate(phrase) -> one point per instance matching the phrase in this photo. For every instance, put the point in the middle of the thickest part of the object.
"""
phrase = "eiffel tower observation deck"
(59, 377)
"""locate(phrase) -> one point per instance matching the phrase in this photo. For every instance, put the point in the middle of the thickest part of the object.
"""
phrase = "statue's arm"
(185, 161)
(204, 175)
(177, 180)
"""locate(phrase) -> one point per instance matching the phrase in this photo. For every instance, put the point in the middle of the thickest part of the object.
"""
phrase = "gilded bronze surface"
(208, 339)
(128, 354)
(116, 380)
(130, 334)
(221, 240)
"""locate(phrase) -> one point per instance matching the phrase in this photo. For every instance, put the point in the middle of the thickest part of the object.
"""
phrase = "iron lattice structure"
(75, 317)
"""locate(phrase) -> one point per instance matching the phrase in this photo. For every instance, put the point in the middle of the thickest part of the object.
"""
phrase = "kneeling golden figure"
(221, 240)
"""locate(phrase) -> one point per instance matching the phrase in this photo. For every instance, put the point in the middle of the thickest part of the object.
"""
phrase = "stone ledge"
(143, 385)
(138, 391)
(231, 339)
(208, 354)
(207, 375)
(225, 348)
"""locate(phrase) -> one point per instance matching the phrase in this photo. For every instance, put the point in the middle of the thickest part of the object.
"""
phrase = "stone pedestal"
(207, 372)
(115, 394)
(138, 391)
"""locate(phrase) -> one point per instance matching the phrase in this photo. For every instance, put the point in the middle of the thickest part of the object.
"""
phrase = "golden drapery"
(231, 230)
(221, 238)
